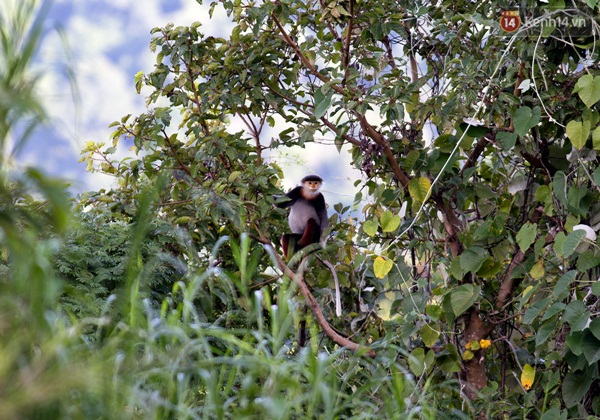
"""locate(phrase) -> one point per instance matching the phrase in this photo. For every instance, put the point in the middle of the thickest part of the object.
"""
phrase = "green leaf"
(389, 222)
(416, 361)
(463, 297)
(572, 241)
(596, 288)
(411, 159)
(534, 310)
(554, 309)
(596, 138)
(429, 335)
(574, 342)
(588, 89)
(587, 260)
(434, 311)
(489, 268)
(370, 227)
(525, 118)
(575, 386)
(382, 266)
(474, 130)
(591, 348)
(526, 236)
(537, 271)
(472, 259)
(559, 186)
(597, 176)
(506, 140)
(595, 327)
(577, 315)
(563, 283)
(578, 132)
(554, 414)
(559, 241)
(545, 331)
(449, 359)
(322, 102)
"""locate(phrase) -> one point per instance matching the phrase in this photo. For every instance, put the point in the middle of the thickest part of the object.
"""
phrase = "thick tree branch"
(387, 151)
(478, 150)
(509, 283)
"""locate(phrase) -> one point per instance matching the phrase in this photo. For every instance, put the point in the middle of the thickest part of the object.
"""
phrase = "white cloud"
(109, 42)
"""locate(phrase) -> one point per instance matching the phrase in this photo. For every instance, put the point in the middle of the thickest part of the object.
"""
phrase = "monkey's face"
(311, 187)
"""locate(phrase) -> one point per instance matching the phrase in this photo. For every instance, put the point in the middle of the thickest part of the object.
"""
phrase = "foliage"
(471, 271)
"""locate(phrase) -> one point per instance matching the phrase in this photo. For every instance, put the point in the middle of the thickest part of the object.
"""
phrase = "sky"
(105, 43)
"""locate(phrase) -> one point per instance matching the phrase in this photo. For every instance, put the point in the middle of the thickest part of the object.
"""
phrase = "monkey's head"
(311, 185)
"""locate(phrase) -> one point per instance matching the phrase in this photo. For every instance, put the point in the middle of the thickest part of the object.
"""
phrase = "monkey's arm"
(292, 197)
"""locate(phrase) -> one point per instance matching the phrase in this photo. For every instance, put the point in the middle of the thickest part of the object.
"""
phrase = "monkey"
(307, 220)
(308, 214)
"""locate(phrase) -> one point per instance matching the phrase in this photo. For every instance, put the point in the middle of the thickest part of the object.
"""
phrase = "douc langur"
(308, 214)
(308, 220)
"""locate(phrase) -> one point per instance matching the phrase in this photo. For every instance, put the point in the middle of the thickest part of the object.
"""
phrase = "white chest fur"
(301, 211)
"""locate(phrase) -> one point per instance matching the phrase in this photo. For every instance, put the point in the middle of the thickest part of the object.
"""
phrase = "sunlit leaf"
(578, 132)
(527, 376)
(537, 271)
(370, 227)
(389, 222)
(322, 102)
(382, 266)
(588, 89)
(418, 189)
(485, 343)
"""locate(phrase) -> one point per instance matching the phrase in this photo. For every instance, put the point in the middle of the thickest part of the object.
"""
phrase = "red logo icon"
(510, 20)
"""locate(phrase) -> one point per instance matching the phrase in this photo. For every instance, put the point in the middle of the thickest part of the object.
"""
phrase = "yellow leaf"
(382, 266)
(468, 355)
(485, 343)
(418, 188)
(527, 376)
(537, 271)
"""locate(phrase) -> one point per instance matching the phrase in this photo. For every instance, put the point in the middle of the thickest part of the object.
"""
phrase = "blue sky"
(107, 43)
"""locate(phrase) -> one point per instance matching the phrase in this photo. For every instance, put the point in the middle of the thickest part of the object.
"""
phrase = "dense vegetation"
(165, 297)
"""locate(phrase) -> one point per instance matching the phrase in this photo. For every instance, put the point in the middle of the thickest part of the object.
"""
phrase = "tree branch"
(387, 151)
(288, 40)
(346, 53)
(478, 150)
(313, 304)
(509, 283)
